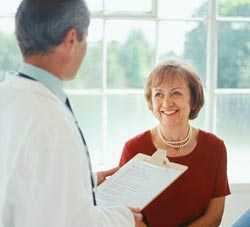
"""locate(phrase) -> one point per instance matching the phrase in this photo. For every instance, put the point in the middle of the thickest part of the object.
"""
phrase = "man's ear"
(70, 40)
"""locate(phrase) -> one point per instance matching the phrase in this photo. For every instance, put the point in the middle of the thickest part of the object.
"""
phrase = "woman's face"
(171, 102)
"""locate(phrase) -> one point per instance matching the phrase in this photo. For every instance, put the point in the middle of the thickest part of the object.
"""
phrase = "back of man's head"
(41, 25)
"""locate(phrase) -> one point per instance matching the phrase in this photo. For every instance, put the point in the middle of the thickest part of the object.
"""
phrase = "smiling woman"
(175, 96)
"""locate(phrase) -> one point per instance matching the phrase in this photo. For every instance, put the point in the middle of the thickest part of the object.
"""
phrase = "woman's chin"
(169, 123)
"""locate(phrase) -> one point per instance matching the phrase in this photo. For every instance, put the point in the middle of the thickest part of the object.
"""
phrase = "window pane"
(184, 40)
(128, 116)
(233, 125)
(234, 55)
(10, 56)
(130, 52)
(182, 9)
(88, 112)
(9, 7)
(90, 72)
(234, 8)
(128, 5)
(94, 5)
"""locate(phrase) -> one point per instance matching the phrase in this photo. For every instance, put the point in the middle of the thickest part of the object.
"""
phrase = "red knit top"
(187, 198)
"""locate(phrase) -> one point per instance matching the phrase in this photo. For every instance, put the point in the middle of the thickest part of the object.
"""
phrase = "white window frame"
(212, 91)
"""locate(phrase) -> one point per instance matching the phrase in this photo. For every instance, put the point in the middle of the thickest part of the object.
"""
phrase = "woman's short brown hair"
(172, 69)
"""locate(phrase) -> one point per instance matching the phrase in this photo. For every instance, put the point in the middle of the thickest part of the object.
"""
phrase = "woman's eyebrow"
(176, 88)
(157, 89)
(171, 89)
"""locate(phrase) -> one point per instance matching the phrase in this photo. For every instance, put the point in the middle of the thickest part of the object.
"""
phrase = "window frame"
(212, 91)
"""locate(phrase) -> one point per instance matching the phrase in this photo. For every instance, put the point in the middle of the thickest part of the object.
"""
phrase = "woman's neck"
(174, 133)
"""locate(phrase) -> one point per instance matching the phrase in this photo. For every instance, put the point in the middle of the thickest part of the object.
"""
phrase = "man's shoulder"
(32, 93)
(30, 98)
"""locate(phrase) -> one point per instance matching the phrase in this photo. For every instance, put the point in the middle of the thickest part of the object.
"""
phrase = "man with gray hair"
(48, 180)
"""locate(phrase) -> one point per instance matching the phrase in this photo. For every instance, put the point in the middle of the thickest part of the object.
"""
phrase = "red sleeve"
(127, 154)
(221, 181)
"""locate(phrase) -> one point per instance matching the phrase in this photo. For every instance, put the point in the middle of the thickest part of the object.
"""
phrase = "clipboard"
(139, 181)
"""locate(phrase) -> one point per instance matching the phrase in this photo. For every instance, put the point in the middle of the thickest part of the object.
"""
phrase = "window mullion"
(104, 96)
(211, 78)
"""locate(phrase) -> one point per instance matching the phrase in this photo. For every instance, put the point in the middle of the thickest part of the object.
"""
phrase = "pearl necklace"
(177, 145)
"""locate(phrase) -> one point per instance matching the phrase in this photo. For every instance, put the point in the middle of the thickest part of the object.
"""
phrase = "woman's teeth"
(169, 112)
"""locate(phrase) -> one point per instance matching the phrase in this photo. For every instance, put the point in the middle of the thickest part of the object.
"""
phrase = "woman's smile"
(169, 112)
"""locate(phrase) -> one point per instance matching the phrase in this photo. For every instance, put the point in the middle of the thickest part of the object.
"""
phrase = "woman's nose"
(167, 101)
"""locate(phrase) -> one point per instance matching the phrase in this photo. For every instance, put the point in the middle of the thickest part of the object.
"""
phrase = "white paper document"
(137, 183)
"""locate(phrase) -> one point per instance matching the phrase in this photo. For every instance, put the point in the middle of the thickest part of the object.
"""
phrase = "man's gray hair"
(41, 25)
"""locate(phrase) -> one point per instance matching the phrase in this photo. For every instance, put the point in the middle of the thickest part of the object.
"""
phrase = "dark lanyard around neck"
(83, 140)
(25, 76)
(87, 151)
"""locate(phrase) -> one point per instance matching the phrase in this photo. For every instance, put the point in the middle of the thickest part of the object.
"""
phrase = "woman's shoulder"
(141, 143)
(211, 142)
(209, 137)
(140, 139)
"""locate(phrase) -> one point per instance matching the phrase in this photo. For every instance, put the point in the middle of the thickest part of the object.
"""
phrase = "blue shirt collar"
(49, 80)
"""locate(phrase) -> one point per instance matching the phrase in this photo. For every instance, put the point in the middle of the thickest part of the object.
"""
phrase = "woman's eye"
(158, 94)
(176, 93)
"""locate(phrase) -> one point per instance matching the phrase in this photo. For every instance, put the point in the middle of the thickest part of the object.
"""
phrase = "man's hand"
(101, 175)
(138, 217)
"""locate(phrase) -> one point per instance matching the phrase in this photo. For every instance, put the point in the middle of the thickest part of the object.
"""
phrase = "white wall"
(236, 203)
